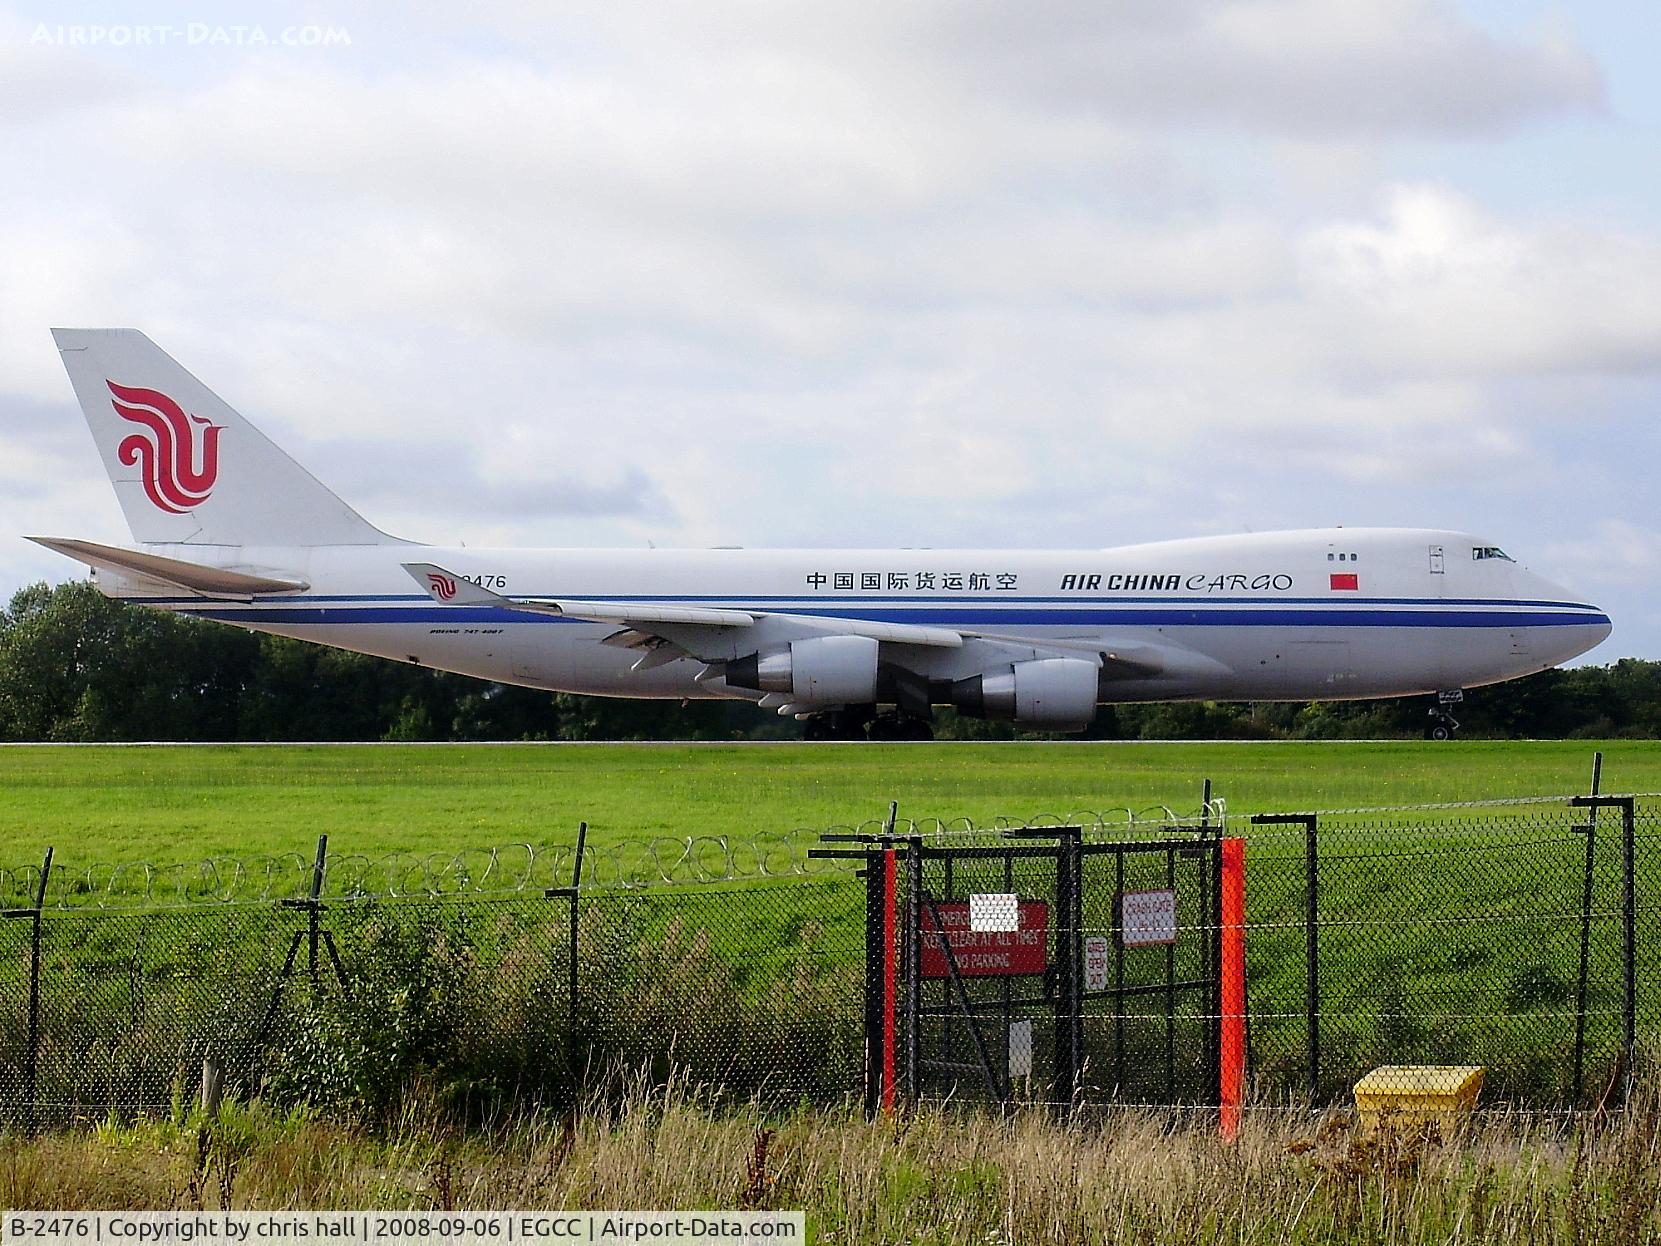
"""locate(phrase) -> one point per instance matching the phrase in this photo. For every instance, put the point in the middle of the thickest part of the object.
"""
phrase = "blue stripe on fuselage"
(739, 603)
(953, 615)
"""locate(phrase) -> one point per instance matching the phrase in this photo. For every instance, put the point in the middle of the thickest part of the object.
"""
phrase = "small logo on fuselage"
(444, 588)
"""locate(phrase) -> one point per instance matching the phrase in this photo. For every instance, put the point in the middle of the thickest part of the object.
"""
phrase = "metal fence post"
(1629, 924)
(314, 924)
(32, 1076)
(913, 958)
(1231, 1041)
(1582, 983)
(1070, 849)
(1312, 953)
(1629, 939)
(576, 884)
(876, 904)
(573, 893)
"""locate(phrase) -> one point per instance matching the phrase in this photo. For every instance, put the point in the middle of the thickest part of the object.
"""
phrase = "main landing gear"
(862, 722)
(900, 727)
(1443, 725)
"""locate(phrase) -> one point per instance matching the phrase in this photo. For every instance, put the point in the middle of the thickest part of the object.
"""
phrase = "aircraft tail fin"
(187, 468)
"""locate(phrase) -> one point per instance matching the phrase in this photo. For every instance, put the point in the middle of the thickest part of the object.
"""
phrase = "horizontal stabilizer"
(193, 576)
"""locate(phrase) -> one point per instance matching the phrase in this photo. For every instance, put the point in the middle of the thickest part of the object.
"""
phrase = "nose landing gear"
(1443, 725)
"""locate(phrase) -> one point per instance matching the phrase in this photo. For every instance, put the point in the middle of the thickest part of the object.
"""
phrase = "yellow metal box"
(1418, 1093)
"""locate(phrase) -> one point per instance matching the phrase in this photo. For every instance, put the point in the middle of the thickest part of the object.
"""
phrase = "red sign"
(984, 954)
(1351, 582)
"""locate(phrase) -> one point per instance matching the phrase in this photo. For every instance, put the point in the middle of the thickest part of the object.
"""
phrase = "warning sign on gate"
(1097, 952)
(981, 953)
(1147, 918)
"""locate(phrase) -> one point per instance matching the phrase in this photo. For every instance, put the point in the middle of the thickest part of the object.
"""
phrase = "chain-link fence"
(480, 996)
(1522, 940)
(1075, 958)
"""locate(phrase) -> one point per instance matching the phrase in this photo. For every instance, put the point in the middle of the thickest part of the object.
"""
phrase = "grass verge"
(105, 805)
(938, 1176)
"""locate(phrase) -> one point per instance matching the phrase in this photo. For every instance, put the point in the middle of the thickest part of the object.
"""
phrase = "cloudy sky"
(877, 272)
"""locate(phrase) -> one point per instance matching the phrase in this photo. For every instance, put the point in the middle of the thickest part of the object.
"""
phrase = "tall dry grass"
(940, 1175)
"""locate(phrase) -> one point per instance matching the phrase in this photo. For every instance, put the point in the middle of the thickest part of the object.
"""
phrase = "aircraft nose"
(1585, 626)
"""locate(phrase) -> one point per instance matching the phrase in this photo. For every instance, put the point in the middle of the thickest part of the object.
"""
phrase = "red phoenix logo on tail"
(444, 587)
(179, 467)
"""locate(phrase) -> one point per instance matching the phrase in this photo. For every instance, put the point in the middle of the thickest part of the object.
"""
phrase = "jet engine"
(1054, 693)
(826, 670)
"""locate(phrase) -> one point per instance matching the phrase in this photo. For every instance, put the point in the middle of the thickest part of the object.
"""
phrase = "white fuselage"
(1318, 614)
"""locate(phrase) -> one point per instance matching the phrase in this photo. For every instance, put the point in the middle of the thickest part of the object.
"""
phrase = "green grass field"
(182, 804)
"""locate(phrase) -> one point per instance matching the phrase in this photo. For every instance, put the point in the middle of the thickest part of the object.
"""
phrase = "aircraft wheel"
(845, 724)
(1441, 731)
(900, 727)
(887, 727)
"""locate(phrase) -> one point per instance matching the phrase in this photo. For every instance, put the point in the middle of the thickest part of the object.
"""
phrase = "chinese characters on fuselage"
(914, 581)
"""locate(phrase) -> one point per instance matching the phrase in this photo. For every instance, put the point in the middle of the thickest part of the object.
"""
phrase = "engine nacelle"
(826, 670)
(1054, 693)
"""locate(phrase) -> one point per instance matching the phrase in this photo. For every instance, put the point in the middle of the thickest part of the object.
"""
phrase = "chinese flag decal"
(1350, 582)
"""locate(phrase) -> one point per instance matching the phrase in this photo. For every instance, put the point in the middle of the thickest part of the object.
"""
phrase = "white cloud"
(1436, 284)
(1294, 67)
(1614, 552)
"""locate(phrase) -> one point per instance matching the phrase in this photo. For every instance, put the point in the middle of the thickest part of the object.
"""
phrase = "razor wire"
(503, 870)
(650, 861)
(518, 867)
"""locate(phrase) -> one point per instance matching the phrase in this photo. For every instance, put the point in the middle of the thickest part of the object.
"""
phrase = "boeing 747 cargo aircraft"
(856, 642)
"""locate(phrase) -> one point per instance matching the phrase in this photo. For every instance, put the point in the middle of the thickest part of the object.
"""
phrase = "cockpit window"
(1479, 552)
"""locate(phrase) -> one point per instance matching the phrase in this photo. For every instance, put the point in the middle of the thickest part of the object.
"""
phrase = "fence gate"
(1150, 997)
(1038, 968)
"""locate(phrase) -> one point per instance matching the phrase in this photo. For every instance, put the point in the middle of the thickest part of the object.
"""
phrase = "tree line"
(76, 666)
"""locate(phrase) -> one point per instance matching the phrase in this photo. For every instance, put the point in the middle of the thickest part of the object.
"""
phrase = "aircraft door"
(1435, 650)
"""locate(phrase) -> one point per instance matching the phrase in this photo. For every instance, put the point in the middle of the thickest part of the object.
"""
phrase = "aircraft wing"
(174, 572)
(448, 588)
(665, 633)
